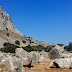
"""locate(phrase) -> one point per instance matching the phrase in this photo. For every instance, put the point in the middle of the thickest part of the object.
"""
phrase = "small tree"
(7, 34)
(17, 42)
(23, 41)
(60, 44)
(48, 48)
(69, 47)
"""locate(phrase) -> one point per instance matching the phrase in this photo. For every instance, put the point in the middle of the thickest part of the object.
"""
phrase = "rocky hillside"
(8, 33)
(6, 22)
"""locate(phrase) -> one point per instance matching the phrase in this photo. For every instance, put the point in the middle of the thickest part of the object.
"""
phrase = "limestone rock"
(35, 57)
(2, 41)
(43, 55)
(2, 56)
(62, 63)
(56, 52)
(25, 57)
(6, 22)
(66, 55)
(13, 63)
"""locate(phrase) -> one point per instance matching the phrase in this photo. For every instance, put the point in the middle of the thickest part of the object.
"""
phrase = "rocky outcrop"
(2, 41)
(6, 22)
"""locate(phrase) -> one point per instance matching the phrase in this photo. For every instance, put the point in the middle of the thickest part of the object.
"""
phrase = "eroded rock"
(62, 63)
(13, 64)
(56, 52)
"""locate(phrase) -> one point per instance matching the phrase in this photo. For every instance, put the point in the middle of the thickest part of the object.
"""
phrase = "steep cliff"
(6, 22)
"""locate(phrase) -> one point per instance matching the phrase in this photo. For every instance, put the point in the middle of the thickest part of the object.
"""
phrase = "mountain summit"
(6, 22)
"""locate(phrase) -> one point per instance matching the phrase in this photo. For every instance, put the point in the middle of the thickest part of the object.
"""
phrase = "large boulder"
(25, 57)
(43, 55)
(62, 63)
(13, 64)
(35, 57)
(20, 52)
(56, 52)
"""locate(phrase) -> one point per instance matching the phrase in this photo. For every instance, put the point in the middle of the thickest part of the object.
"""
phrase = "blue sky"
(44, 20)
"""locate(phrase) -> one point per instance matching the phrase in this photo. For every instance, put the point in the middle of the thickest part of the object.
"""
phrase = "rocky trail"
(43, 66)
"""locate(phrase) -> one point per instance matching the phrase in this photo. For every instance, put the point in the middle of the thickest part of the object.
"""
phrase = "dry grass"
(43, 66)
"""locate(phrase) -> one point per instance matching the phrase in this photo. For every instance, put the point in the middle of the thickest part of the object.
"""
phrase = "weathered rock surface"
(56, 52)
(25, 57)
(6, 22)
(43, 55)
(13, 64)
(66, 55)
(62, 63)
(2, 41)
(35, 57)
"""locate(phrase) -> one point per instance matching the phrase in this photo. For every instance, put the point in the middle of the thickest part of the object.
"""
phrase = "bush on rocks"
(37, 48)
(23, 41)
(48, 48)
(17, 42)
(60, 44)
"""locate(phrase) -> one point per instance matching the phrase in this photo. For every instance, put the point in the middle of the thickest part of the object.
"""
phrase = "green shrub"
(37, 48)
(31, 42)
(9, 48)
(23, 41)
(48, 48)
(7, 34)
(60, 44)
(28, 48)
(69, 47)
(17, 42)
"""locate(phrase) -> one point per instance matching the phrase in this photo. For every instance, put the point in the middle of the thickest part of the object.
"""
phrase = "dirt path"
(43, 66)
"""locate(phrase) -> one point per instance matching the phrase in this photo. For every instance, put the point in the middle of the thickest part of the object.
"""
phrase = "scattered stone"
(62, 63)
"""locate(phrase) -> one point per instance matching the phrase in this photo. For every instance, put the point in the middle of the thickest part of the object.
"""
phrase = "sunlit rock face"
(6, 22)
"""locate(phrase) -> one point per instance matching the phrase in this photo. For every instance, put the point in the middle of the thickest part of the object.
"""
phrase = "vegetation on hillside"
(17, 42)
(9, 48)
(37, 48)
(69, 47)
(60, 44)
(48, 48)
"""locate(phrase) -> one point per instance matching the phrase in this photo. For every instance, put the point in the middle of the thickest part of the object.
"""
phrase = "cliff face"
(6, 22)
